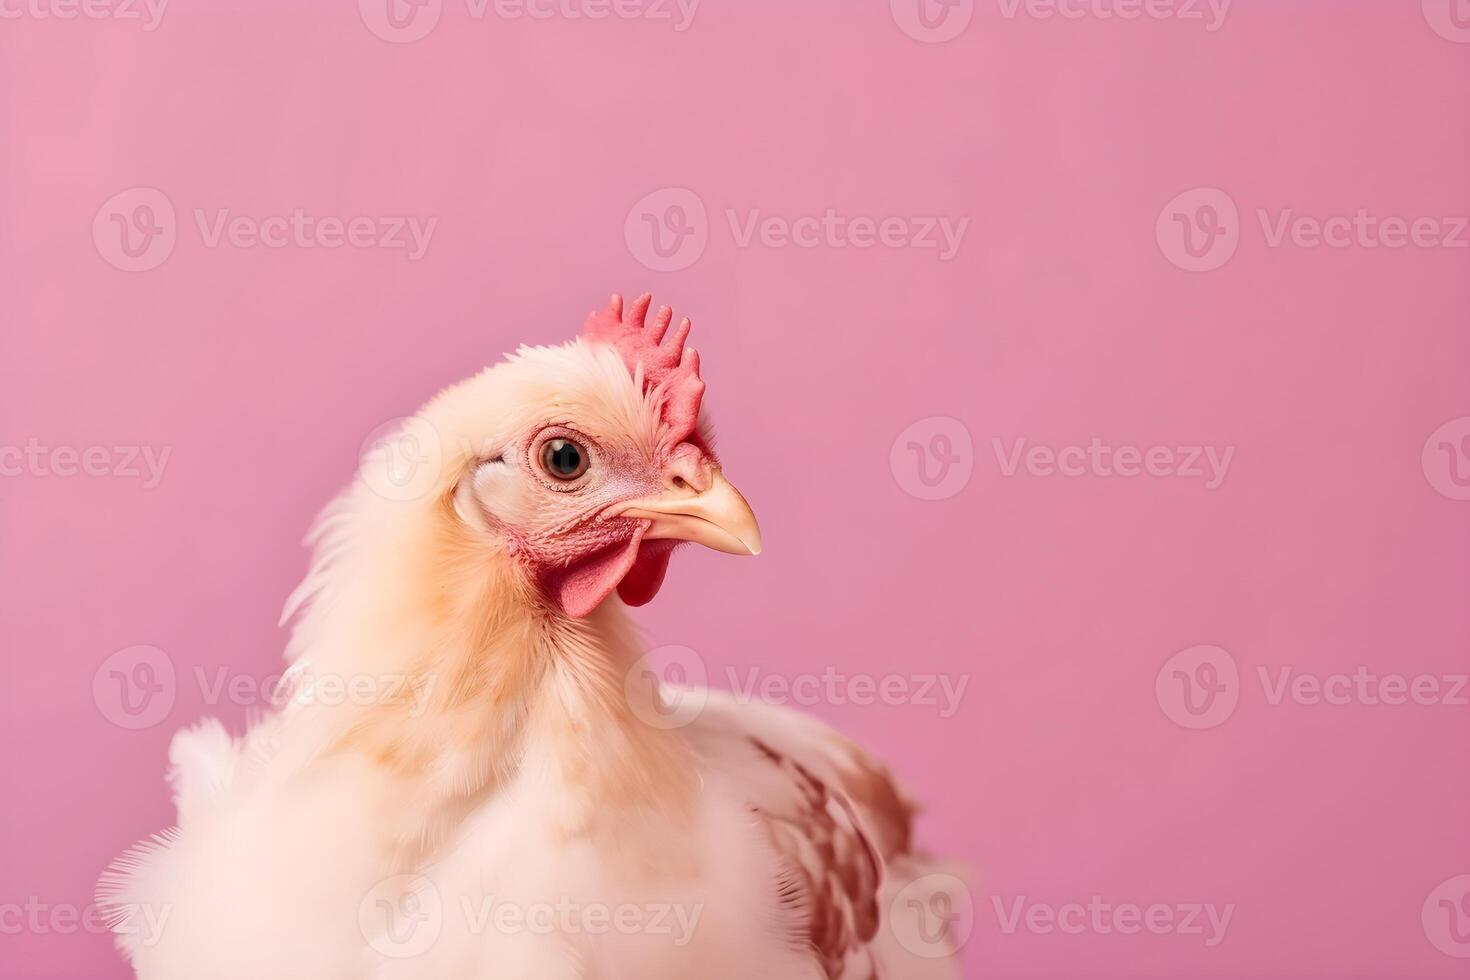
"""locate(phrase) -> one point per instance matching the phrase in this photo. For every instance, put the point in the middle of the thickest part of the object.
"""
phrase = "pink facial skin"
(580, 560)
(577, 556)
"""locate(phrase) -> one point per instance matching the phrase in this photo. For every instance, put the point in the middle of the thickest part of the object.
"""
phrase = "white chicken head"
(588, 463)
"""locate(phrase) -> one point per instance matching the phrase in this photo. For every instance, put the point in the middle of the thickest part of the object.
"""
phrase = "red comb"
(670, 369)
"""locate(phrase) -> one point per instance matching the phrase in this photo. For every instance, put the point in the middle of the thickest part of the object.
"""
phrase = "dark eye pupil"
(563, 458)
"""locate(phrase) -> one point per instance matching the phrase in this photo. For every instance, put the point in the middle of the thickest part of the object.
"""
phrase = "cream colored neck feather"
(482, 682)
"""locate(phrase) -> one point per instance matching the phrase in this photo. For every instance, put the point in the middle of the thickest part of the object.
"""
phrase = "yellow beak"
(717, 518)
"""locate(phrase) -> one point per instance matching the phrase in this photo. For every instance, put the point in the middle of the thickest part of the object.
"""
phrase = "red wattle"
(642, 582)
(581, 587)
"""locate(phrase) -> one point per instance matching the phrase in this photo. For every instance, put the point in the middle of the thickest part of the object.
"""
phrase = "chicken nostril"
(690, 483)
(686, 473)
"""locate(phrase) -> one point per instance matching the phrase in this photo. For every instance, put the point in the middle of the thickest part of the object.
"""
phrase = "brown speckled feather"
(832, 870)
(834, 815)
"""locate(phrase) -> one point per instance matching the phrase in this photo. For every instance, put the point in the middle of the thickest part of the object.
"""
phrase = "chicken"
(466, 775)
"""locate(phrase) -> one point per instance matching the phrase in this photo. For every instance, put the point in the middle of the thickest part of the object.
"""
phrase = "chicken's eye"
(563, 459)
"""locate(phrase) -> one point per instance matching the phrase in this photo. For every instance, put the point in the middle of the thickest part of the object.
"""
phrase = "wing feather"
(834, 814)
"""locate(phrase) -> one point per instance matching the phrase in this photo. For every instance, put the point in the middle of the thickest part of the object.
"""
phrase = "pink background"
(1329, 545)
